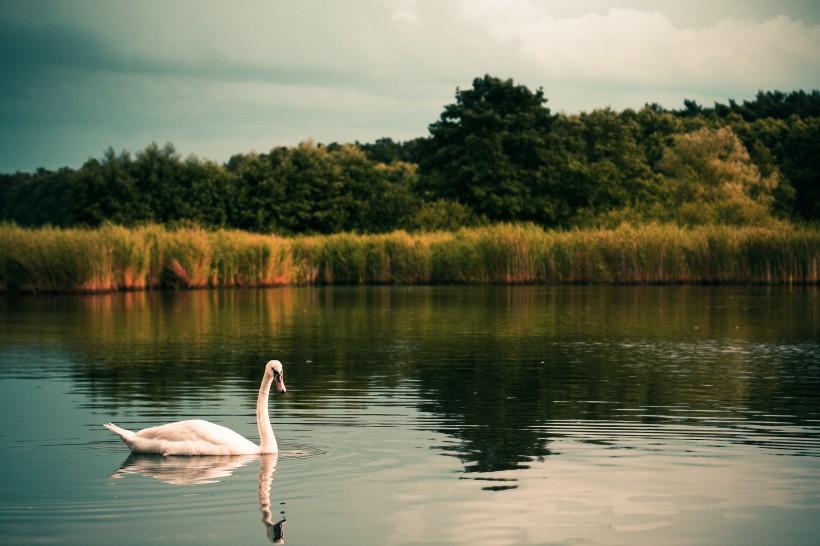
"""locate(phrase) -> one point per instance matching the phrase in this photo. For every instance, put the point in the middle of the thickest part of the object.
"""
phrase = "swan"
(198, 437)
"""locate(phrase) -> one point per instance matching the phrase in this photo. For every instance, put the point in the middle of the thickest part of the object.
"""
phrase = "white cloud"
(646, 49)
(197, 70)
(363, 43)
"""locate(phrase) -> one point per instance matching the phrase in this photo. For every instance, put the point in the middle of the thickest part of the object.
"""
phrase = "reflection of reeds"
(116, 258)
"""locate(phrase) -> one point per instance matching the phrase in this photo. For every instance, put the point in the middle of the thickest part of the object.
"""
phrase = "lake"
(583, 415)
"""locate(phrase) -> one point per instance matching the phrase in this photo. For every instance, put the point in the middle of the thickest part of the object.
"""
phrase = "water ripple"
(793, 440)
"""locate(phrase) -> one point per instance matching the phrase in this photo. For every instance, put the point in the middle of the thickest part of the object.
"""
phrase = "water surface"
(443, 415)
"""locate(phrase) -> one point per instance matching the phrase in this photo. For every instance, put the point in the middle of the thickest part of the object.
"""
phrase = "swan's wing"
(185, 431)
(194, 437)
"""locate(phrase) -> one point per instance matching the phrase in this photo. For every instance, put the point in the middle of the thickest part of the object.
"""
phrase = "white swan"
(197, 437)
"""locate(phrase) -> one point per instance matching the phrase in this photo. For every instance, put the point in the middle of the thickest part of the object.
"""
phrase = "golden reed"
(115, 258)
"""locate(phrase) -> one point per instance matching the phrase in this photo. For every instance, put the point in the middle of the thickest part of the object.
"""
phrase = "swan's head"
(274, 369)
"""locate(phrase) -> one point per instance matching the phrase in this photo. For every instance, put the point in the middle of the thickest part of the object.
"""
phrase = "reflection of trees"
(492, 363)
(162, 347)
(490, 412)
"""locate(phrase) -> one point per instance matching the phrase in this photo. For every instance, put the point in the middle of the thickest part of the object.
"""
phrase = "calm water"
(446, 415)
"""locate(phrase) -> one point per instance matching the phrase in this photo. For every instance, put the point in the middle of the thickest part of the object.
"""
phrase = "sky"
(218, 78)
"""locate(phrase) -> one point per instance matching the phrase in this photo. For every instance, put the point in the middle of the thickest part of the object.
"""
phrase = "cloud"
(646, 49)
(197, 71)
(370, 43)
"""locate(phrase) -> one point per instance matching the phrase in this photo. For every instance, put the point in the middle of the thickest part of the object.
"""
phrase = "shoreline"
(115, 258)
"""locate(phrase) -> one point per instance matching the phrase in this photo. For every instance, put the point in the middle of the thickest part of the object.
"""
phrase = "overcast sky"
(217, 78)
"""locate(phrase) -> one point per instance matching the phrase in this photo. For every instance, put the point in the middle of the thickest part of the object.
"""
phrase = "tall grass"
(367, 259)
(152, 257)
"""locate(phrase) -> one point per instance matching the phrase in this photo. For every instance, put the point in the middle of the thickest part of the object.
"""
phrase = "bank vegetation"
(501, 191)
(114, 258)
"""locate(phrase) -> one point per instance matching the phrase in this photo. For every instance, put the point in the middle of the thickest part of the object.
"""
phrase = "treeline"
(497, 154)
(115, 258)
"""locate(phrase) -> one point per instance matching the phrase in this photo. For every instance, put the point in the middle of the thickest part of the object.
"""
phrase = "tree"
(259, 192)
(38, 199)
(208, 189)
(608, 169)
(764, 138)
(490, 151)
(799, 155)
(691, 109)
(314, 190)
(713, 180)
(790, 147)
(106, 191)
(383, 197)
(156, 172)
(386, 150)
(774, 105)
(443, 215)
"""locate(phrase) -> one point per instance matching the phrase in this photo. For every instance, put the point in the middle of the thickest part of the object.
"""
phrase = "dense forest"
(497, 154)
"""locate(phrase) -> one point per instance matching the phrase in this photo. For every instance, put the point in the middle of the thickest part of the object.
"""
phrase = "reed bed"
(114, 258)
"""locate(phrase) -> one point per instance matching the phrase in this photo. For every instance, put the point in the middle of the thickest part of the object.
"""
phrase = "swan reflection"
(202, 470)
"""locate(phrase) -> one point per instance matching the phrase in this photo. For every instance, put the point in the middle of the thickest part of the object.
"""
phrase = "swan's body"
(197, 437)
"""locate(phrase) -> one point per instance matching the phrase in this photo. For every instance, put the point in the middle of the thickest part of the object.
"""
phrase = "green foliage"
(36, 199)
(606, 167)
(774, 105)
(496, 154)
(489, 150)
(316, 189)
(789, 148)
(444, 215)
(712, 180)
(386, 150)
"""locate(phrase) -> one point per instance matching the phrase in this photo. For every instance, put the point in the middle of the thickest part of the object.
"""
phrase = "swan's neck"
(267, 441)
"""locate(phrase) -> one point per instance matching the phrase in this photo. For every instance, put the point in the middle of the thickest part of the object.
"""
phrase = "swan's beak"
(280, 384)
